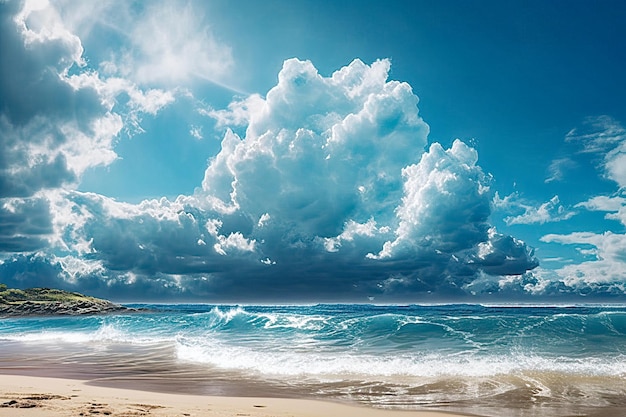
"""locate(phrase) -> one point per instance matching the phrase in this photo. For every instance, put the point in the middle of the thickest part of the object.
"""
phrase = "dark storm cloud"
(25, 225)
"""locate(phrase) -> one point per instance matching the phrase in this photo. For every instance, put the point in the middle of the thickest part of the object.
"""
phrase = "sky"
(298, 151)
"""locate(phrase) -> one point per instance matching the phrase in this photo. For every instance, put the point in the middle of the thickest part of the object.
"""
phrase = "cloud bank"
(332, 192)
(602, 272)
(54, 125)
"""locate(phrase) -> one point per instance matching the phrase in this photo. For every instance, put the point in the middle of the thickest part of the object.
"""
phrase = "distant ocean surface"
(489, 360)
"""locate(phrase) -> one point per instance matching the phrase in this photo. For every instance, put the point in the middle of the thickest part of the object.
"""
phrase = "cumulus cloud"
(321, 150)
(146, 238)
(445, 205)
(78, 112)
(329, 194)
(78, 274)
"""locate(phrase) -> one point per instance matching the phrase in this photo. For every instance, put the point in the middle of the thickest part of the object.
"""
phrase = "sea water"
(489, 360)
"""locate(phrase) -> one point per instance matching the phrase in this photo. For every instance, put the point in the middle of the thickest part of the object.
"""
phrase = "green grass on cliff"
(40, 295)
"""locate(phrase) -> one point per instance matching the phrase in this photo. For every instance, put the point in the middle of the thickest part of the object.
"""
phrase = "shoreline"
(373, 360)
(35, 396)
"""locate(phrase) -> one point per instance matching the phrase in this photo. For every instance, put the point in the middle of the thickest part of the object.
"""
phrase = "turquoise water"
(530, 361)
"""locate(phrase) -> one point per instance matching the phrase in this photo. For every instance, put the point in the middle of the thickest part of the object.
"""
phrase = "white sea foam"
(267, 360)
(105, 333)
(51, 336)
(291, 321)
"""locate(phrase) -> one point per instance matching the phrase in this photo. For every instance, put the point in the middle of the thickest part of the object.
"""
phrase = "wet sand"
(32, 396)
(41, 379)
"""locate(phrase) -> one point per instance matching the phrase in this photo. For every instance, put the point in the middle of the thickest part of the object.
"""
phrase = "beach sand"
(53, 397)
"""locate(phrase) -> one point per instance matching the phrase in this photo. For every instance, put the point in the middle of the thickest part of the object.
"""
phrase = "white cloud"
(154, 235)
(263, 220)
(550, 211)
(76, 267)
(607, 269)
(351, 231)
(234, 241)
(445, 204)
(196, 132)
(603, 203)
(558, 168)
(158, 43)
(50, 131)
(615, 206)
(597, 134)
(172, 43)
(40, 137)
(502, 255)
(595, 139)
(313, 143)
(615, 164)
(238, 112)
(40, 24)
(605, 137)
(572, 238)
(140, 102)
(533, 283)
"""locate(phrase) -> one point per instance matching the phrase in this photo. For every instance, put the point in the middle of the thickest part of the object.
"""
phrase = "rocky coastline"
(53, 302)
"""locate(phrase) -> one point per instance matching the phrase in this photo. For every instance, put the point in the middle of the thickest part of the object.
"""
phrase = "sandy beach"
(30, 396)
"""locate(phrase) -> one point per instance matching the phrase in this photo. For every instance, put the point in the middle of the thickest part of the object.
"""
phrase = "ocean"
(517, 361)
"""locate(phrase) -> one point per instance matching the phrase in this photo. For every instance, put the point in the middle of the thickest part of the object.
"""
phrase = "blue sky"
(404, 151)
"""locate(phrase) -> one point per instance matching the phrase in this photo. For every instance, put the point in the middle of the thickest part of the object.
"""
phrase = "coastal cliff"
(47, 301)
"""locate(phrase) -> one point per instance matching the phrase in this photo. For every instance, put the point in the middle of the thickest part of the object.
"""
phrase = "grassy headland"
(48, 301)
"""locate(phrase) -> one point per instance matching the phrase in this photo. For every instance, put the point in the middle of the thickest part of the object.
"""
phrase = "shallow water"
(496, 361)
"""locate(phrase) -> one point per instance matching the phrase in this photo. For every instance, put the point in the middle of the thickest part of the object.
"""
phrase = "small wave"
(228, 314)
(232, 317)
